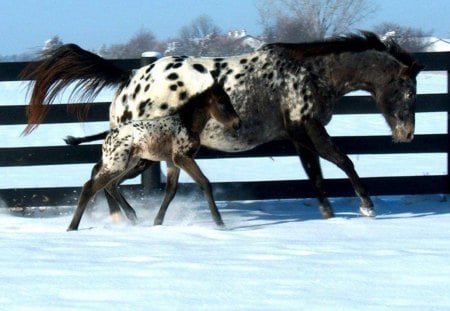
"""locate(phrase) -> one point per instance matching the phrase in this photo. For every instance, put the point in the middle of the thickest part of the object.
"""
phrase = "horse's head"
(397, 101)
(219, 106)
(214, 103)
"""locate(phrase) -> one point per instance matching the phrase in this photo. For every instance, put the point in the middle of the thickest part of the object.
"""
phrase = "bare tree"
(198, 37)
(303, 20)
(411, 39)
(200, 27)
(142, 41)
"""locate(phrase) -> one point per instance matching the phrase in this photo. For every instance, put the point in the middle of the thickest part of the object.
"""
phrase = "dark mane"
(403, 57)
(363, 41)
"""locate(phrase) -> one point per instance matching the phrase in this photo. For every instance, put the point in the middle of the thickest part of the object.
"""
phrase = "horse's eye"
(409, 95)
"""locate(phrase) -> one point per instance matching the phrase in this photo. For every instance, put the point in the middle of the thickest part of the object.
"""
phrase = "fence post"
(448, 129)
(151, 178)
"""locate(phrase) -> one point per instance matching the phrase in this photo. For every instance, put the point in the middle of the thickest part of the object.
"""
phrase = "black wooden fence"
(436, 143)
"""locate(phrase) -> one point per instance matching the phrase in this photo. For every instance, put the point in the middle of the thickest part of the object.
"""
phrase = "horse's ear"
(411, 71)
(416, 68)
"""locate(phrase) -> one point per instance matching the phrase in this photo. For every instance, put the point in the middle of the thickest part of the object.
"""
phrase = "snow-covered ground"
(273, 255)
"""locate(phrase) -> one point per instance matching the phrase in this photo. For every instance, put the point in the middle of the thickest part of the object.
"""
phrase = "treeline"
(282, 21)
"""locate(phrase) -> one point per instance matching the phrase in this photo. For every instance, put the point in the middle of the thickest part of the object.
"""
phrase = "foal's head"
(397, 98)
(213, 103)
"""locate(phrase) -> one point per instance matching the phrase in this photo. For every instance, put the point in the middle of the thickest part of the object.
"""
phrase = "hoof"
(157, 222)
(367, 211)
(326, 212)
(116, 217)
(221, 226)
(132, 218)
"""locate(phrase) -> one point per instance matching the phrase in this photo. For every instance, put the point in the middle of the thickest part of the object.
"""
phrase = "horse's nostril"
(409, 136)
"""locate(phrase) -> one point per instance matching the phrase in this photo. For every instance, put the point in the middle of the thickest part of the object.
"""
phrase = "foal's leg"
(113, 193)
(90, 188)
(326, 149)
(173, 173)
(113, 203)
(188, 164)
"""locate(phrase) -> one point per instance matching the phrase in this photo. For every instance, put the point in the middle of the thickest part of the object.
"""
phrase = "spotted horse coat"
(280, 91)
(285, 91)
(265, 88)
(174, 139)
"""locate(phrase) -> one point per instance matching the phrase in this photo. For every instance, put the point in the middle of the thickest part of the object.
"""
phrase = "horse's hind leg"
(311, 164)
(115, 198)
(90, 188)
(173, 174)
(326, 149)
(113, 204)
(188, 164)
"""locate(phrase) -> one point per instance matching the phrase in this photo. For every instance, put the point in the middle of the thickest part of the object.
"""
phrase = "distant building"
(435, 44)
(429, 44)
(246, 41)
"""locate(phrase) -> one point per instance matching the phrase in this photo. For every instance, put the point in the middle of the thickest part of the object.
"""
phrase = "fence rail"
(52, 155)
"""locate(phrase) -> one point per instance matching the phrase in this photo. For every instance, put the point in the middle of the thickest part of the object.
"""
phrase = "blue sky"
(26, 24)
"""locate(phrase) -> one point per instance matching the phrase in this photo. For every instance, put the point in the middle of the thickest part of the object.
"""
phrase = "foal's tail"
(75, 141)
(61, 67)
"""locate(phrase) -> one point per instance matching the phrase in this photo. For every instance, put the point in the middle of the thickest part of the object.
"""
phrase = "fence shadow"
(275, 212)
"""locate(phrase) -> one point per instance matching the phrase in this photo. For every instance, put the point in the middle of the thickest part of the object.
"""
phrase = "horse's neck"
(366, 71)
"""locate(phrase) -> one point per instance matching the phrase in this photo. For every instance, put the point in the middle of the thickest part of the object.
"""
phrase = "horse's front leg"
(328, 150)
(311, 164)
(173, 173)
(188, 164)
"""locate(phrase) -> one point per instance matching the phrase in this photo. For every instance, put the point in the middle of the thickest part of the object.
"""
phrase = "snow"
(273, 255)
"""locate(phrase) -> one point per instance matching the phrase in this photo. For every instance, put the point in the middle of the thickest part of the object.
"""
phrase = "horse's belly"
(216, 136)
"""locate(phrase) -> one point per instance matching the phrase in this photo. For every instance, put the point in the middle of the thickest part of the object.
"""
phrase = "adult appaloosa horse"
(281, 91)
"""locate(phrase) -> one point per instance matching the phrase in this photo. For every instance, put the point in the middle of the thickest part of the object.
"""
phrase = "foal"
(174, 139)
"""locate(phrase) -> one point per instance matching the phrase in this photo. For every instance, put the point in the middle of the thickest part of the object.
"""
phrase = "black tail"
(74, 141)
(61, 67)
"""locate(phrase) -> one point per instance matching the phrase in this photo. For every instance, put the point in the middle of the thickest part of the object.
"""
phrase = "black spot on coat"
(172, 76)
(169, 65)
(200, 68)
(177, 65)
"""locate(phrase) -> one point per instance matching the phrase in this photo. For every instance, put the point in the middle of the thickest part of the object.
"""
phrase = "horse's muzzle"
(236, 124)
(403, 133)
